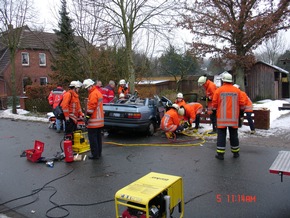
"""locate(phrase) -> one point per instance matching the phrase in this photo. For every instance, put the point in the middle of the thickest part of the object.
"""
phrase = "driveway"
(212, 188)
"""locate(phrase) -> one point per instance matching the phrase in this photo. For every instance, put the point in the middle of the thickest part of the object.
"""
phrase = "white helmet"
(237, 86)
(227, 77)
(179, 95)
(73, 84)
(176, 106)
(122, 95)
(181, 111)
(78, 84)
(122, 82)
(87, 83)
(201, 80)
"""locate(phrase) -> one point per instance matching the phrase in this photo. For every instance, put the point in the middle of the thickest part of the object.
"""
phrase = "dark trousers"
(221, 140)
(250, 120)
(197, 121)
(70, 127)
(212, 117)
(95, 138)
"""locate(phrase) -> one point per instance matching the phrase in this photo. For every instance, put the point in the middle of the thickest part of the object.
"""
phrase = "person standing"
(54, 98)
(108, 92)
(248, 109)
(71, 107)
(229, 103)
(210, 88)
(123, 88)
(94, 118)
(170, 122)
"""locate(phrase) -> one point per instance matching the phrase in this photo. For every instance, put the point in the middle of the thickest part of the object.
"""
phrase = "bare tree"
(125, 19)
(271, 49)
(234, 28)
(13, 16)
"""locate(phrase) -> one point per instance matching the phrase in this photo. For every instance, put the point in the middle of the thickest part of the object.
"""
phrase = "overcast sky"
(48, 12)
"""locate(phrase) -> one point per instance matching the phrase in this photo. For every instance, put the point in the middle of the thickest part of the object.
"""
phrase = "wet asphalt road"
(212, 188)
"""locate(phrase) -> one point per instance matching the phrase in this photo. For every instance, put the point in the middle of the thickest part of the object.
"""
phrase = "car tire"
(151, 129)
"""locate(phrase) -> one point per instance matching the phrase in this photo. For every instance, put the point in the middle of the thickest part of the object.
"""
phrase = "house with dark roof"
(32, 61)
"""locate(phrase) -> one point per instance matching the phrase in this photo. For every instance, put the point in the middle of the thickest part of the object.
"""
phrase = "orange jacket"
(228, 101)
(191, 110)
(180, 103)
(170, 120)
(95, 108)
(71, 105)
(55, 96)
(121, 90)
(210, 88)
(248, 102)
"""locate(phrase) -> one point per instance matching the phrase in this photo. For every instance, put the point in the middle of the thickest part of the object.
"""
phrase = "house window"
(25, 82)
(42, 59)
(25, 58)
(43, 80)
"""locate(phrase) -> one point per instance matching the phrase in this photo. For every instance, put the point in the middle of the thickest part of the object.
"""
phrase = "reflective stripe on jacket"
(228, 101)
(71, 105)
(191, 110)
(95, 108)
(170, 121)
(55, 96)
(248, 102)
(210, 88)
(108, 94)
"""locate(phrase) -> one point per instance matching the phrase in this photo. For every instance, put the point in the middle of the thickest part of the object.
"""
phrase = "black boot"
(219, 156)
(236, 155)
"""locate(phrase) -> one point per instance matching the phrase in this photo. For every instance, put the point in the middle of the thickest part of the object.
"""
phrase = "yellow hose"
(173, 143)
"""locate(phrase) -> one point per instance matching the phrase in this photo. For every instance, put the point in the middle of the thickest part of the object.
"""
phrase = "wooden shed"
(266, 81)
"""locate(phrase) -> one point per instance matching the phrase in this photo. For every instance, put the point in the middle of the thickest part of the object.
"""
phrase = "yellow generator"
(155, 195)
(81, 142)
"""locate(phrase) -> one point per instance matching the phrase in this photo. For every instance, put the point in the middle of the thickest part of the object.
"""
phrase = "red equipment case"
(35, 153)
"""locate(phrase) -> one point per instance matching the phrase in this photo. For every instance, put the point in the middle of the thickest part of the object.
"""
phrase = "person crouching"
(170, 122)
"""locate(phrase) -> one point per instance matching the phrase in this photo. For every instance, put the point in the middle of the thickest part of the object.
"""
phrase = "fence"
(261, 118)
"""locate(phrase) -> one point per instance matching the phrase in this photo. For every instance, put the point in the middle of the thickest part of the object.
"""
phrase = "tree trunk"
(13, 85)
(240, 78)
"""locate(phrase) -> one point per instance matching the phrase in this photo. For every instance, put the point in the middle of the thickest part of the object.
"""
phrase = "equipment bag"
(58, 112)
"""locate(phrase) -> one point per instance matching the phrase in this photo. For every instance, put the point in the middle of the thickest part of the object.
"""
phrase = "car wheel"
(151, 129)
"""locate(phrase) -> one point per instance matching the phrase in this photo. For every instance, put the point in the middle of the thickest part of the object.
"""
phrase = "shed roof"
(274, 67)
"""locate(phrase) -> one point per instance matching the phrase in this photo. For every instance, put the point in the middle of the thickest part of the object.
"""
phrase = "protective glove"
(67, 122)
(125, 88)
(179, 129)
(87, 117)
(241, 118)
(186, 125)
(203, 98)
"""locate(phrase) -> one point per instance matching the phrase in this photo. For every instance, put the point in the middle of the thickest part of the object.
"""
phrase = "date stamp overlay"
(235, 198)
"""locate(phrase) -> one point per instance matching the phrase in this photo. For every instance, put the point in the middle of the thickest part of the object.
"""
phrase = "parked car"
(135, 114)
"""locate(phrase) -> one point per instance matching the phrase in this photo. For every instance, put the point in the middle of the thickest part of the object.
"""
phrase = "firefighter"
(108, 92)
(94, 118)
(229, 103)
(179, 100)
(210, 88)
(248, 110)
(123, 88)
(191, 113)
(71, 107)
(54, 99)
(170, 122)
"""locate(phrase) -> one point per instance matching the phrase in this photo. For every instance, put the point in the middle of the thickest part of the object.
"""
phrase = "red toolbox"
(35, 153)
